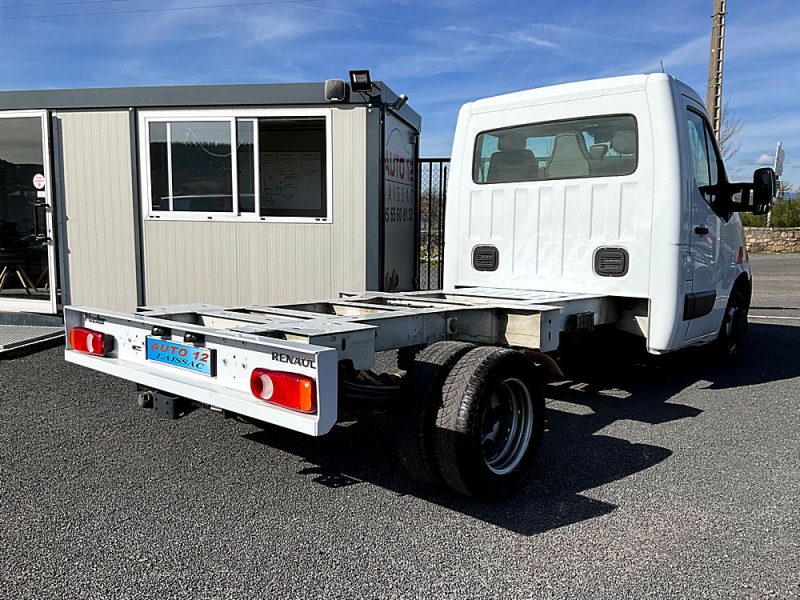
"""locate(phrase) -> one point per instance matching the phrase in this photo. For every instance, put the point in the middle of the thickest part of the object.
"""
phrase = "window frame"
(550, 122)
(232, 116)
(712, 153)
(703, 138)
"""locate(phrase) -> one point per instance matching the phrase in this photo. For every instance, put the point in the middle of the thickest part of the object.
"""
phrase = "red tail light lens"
(90, 342)
(290, 390)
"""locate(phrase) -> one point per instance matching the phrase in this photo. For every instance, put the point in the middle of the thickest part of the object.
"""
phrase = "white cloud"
(460, 49)
(690, 53)
(524, 38)
(284, 25)
(765, 159)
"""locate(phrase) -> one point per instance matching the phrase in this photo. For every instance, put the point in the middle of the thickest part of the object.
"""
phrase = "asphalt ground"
(662, 478)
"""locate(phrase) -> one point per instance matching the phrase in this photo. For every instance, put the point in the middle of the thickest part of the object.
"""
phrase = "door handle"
(701, 230)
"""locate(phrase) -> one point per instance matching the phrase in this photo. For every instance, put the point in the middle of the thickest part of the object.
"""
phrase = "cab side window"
(703, 153)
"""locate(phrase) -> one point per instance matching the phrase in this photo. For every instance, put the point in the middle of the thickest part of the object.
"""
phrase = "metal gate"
(431, 204)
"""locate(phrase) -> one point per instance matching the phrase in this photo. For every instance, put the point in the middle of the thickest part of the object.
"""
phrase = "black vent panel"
(485, 258)
(611, 262)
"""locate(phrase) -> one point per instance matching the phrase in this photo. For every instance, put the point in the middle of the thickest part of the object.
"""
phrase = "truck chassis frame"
(313, 339)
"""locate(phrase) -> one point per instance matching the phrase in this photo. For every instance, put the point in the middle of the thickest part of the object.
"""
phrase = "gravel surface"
(670, 478)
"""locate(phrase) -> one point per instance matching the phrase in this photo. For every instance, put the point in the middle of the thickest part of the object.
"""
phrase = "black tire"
(488, 386)
(420, 399)
(734, 326)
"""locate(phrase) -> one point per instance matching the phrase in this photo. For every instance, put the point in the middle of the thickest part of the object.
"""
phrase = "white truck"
(598, 203)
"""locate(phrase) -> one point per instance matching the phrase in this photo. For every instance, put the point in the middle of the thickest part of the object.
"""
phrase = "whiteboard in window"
(291, 180)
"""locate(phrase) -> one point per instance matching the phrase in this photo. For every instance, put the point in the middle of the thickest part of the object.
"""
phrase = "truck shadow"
(576, 455)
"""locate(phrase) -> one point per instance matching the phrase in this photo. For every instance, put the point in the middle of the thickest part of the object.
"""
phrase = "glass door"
(28, 276)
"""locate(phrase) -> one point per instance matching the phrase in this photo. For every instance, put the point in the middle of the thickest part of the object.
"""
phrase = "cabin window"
(237, 165)
(602, 146)
(703, 153)
(291, 165)
(246, 163)
(190, 166)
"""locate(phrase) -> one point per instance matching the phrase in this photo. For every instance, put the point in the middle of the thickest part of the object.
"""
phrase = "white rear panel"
(547, 232)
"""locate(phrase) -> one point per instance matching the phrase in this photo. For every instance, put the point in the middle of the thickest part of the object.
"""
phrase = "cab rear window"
(602, 146)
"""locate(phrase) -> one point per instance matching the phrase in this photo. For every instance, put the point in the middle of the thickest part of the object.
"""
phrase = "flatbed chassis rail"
(312, 339)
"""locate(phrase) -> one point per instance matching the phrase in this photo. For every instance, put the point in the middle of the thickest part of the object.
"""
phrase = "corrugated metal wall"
(259, 263)
(97, 208)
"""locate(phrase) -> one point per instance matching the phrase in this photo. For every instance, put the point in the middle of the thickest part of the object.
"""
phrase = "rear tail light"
(90, 342)
(290, 390)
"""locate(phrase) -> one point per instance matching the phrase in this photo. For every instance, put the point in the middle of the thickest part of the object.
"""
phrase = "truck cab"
(614, 187)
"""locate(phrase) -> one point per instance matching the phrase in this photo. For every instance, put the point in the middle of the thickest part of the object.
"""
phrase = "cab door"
(704, 303)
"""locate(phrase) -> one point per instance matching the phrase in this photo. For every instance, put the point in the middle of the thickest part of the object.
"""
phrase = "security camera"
(400, 102)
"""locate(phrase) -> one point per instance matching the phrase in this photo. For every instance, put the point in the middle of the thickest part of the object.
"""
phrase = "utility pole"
(714, 93)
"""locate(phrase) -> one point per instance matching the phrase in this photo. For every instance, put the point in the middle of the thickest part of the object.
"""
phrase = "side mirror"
(765, 188)
(757, 197)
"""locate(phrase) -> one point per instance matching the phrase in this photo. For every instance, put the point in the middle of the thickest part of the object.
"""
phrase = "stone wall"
(773, 239)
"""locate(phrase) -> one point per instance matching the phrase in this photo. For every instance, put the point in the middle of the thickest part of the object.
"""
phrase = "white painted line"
(773, 317)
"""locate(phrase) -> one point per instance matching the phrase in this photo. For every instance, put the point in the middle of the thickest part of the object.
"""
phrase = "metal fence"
(431, 203)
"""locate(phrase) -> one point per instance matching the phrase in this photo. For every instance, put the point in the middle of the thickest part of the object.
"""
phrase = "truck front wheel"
(490, 422)
(734, 326)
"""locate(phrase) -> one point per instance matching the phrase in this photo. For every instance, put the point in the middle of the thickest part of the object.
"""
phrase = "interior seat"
(512, 162)
(624, 144)
(569, 158)
(598, 152)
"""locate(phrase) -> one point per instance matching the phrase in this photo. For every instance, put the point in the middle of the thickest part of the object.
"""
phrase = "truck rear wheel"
(490, 423)
(420, 400)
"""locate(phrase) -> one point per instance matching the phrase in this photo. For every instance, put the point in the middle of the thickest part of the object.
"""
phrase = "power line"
(297, 3)
(60, 3)
(154, 10)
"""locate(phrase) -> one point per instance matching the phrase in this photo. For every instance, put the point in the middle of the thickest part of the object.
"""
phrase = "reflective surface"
(602, 146)
(195, 158)
(24, 269)
(201, 166)
(245, 148)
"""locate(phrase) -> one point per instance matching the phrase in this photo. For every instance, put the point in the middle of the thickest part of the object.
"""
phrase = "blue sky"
(441, 53)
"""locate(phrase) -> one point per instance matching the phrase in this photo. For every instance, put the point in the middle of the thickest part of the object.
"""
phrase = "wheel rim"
(506, 426)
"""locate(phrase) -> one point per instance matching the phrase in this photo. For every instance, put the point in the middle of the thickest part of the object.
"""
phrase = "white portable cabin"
(122, 197)
(624, 219)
